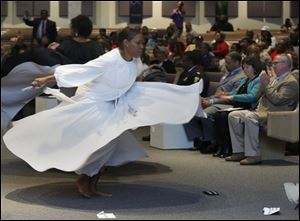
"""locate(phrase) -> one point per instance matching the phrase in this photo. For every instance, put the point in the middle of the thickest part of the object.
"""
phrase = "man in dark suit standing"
(44, 30)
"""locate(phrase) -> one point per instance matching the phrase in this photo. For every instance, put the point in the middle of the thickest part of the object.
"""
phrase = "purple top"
(178, 17)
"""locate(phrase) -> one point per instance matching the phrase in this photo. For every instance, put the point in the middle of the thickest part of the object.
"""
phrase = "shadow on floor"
(126, 196)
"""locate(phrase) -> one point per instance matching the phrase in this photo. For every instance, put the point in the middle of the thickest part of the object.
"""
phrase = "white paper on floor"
(103, 215)
(269, 211)
(292, 192)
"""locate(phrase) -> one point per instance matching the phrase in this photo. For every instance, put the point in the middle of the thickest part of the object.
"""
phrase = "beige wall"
(106, 16)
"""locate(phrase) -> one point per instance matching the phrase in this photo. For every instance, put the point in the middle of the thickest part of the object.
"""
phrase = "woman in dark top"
(243, 97)
(80, 48)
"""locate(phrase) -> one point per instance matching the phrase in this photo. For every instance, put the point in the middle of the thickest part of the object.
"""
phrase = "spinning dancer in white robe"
(88, 131)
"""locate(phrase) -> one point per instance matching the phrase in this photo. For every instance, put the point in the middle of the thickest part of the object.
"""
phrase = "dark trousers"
(193, 128)
(222, 132)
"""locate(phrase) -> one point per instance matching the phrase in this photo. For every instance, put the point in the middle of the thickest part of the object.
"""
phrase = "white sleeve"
(74, 75)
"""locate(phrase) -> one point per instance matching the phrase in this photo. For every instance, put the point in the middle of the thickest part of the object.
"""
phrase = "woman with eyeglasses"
(244, 97)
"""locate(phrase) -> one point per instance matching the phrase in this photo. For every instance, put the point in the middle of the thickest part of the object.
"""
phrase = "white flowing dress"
(90, 130)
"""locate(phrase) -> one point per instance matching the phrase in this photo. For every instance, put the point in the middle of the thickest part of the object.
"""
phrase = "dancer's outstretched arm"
(42, 81)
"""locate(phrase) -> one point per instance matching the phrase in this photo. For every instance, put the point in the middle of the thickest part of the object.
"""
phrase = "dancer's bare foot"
(93, 187)
(83, 184)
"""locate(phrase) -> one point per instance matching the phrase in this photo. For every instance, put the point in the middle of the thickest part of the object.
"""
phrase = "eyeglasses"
(276, 62)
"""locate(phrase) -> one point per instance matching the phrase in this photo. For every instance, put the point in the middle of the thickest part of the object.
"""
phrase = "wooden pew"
(282, 127)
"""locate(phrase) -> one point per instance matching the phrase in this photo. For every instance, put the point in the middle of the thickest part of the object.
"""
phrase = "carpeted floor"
(169, 184)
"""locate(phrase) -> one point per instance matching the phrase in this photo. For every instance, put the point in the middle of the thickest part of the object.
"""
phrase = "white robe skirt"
(88, 131)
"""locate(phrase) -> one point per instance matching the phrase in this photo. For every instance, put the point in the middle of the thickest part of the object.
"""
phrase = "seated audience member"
(18, 40)
(80, 48)
(265, 34)
(171, 40)
(189, 40)
(41, 56)
(193, 70)
(235, 73)
(253, 49)
(245, 43)
(114, 39)
(228, 83)
(161, 58)
(220, 46)
(197, 41)
(169, 34)
(152, 41)
(243, 97)
(153, 73)
(261, 51)
(295, 69)
(236, 47)
(294, 36)
(8, 58)
(250, 36)
(159, 37)
(104, 40)
(146, 34)
(206, 55)
(282, 46)
(176, 48)
(172, 25)
(222, 24)
(145, 58)
(265, 46)
(188, 31)
(214, 66)
(265, 59)
(278, 91)
(287, 26)
(12, 58)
